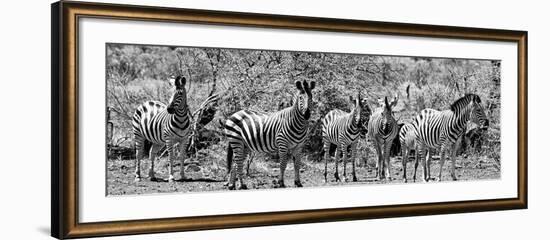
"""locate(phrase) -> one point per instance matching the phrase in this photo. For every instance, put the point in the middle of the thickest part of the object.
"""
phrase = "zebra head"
(366, 113)
(304, 97)
(478, 115)
(178, 101)
(387, 114)
(362, 112)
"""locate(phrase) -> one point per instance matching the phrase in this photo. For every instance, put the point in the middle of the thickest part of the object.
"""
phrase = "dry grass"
(210, 175)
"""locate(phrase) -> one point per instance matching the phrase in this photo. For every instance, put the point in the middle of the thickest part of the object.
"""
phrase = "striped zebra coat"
(444, 129)
(407, 139)
(282, 133)
(161, 127)
(382, 129)
(343, 129)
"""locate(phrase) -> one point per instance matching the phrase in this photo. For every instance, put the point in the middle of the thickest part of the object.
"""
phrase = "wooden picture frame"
(65, 119)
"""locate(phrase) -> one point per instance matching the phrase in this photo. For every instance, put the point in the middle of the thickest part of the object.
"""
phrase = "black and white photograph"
(196, 119)
(274, 119)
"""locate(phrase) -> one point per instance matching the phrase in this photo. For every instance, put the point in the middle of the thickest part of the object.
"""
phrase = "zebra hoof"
(137, 179)
(243, 187)
(298, 184)
(231, 187)
(171, 179)
(354, 179)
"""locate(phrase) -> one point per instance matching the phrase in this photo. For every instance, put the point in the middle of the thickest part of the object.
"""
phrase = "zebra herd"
(284, 133)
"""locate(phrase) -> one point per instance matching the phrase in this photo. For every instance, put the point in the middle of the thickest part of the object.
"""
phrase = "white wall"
(25, 92)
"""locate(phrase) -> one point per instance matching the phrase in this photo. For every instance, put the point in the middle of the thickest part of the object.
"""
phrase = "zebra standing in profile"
(343, 129)
(159, 126)
(382, 129)
(282, 132)
(444, 129)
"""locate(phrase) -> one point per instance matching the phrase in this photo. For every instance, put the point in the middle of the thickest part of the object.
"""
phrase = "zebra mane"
(464, 101)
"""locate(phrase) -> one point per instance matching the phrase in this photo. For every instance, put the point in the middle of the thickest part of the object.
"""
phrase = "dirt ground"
(120, 175)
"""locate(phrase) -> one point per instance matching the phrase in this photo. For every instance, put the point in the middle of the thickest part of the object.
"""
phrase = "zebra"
(162, 127)
(382, 129)
(444, 129)
(282, 132)
(407, 138)
(343, 129)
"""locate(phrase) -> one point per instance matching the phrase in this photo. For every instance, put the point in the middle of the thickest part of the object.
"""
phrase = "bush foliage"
(263, 80)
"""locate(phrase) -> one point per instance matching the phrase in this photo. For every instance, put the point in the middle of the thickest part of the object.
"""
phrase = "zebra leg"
(428, 162)
(152, 157)
(238, 155)
(297, 165)
(336, 160)
(183, 149)
(404, 160)
(344, 150)
(425, 167)
(453, 158)
(416, 155)
(283, 161)
(139, 152)
(240, 166)
(353, 154)
(387, 160)
(250, 158)
(326, 148)
(232, 178)
(171, 155)
(379, 162)
(442, 162)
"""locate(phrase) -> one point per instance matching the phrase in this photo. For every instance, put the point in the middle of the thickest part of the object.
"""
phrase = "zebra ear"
(395, 100)
(299, 86)
(177, 82)
(386, 102)
(311, 85)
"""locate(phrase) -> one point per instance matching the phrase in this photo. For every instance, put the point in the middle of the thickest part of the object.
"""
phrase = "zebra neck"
(295, 111)
(296, 118)
(180, 118)
(352, 123)
(296, 115)
(463, 117)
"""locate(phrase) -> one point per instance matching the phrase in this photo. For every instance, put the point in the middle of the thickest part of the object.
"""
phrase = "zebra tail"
(229, 158)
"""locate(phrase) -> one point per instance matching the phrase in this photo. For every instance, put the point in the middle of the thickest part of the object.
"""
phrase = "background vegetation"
(263, 80)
